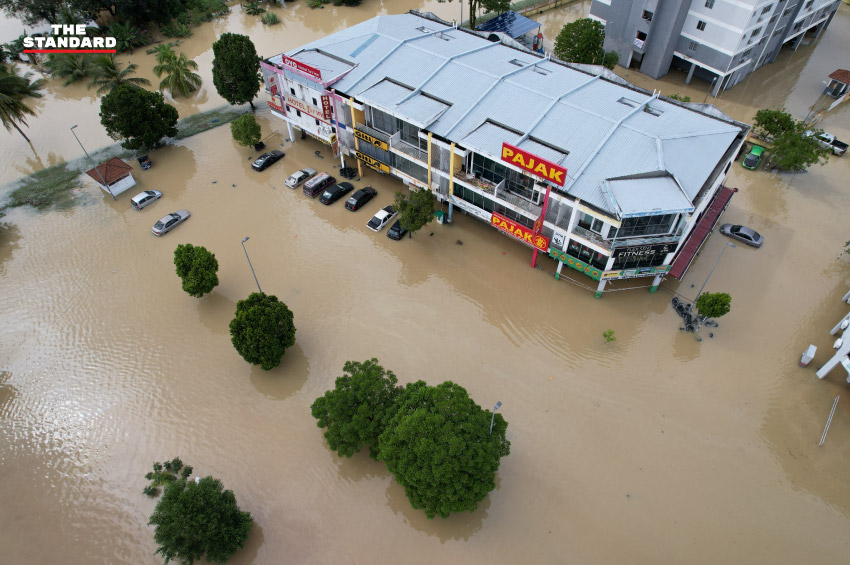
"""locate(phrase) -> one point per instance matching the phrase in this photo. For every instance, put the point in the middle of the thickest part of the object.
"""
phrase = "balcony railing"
(522, 203)
(592, 237)
(639, 43)
(374, 133)
(411, 150)
(482, 184)
(652, 240)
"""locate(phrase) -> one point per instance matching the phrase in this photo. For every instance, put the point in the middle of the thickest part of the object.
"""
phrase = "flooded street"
(654, 448)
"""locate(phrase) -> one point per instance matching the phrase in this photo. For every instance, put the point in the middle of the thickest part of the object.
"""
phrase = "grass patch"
(51, 187)
(196, 123)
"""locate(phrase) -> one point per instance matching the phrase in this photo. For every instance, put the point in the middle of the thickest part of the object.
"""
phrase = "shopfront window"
(587, 254)
(646, 225)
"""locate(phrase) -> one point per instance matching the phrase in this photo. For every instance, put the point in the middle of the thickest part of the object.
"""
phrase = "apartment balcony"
(484, 185)
(411, 150)
(640, 44)
(374, 133)
(593, 237)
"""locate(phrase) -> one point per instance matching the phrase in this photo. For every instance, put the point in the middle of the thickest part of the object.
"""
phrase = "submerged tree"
(108, 74)
(197, 268)
(714, 304)
(140, 117)
(236, 68)
(71, 67)
(415, 210)
(246, 130)
(262, 330)
(179, 78)
(582, 41)
(14, 89)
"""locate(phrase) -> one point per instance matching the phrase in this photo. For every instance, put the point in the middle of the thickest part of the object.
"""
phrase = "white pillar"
(289, 129)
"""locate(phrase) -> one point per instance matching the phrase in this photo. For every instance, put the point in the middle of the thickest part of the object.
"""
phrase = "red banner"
(299, 66)
(326, 107)
(534, 164)
(520, 232)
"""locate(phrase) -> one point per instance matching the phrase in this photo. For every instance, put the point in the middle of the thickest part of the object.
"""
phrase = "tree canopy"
(714, 304)
(197, 267)
(246, 130)
(438, 447)
(199, 520)
(262, 330)
(415, 210)
(13, 90)
(179, 78)
(582, 41)
(771, 123)
(236, 68)
(107, 74)
(140, 117)
(795, 150)
(355, 412)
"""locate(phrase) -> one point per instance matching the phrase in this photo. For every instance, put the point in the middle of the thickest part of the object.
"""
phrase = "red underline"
(69, 50)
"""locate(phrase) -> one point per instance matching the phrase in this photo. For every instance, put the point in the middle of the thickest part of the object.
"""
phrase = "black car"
(360, 198)
(396, 232)
(267, 159)
(336, 192)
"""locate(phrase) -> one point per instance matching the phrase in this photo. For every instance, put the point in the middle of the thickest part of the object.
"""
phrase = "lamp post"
(725, 247)
(244, 239)
(710, 88)
(493, 417)
(106, 186)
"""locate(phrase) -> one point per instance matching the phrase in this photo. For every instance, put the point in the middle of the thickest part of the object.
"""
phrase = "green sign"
(576, 264)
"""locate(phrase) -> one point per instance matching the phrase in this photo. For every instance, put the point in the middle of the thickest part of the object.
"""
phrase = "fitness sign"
(69, 39)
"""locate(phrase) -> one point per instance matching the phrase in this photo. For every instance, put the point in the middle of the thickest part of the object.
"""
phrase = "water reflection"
(248, 554)
(359, 466)
(10, 237)
(284, 380)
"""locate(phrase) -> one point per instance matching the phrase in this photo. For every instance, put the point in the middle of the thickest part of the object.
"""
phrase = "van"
(317, 185)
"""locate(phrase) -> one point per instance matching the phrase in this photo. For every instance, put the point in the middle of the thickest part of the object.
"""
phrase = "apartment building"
(719, 41)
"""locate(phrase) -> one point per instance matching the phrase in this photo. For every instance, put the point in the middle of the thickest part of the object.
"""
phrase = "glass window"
(587, 254)
(597, 226)
(383, 122)
(692, 46)
(766, 9)
(709, 4)
(700, 25)
(646, 225)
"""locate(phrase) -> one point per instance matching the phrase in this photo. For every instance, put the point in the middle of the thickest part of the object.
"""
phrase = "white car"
(382, 218)
(299, 177)
(142, 199)
(169, 222)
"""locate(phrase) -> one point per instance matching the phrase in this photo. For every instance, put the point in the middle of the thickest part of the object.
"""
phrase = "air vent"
(652, 111)
(540, 71)
(424, 29)
(629, 102)
(516, 62)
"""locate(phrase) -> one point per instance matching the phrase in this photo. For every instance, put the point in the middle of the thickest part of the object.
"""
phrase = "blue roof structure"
(511, 23)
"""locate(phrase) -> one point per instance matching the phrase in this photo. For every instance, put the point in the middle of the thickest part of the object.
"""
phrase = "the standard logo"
(69, 39)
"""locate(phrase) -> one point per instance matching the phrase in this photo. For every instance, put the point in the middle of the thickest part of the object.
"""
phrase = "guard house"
(838, 83)
(516, 26)
(117, 175)
(607, 179)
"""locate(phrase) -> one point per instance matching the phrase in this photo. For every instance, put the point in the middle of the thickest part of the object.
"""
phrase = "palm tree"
(70, 67)
(13, 90)
(108, 74)
(126, 36)
(179, 77)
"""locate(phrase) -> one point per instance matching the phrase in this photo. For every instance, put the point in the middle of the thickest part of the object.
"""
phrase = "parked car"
(829, 141)
(267, 159)
(169, 222)
(742, 234)
(361, 197)
(753, 158)
(317, 185)
(142, 199)
(336, 192)
(396, 232)
(300, 176)
(381, 219)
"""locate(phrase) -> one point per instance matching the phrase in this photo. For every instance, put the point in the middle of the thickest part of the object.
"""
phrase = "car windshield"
(158, 225)
(374, 222)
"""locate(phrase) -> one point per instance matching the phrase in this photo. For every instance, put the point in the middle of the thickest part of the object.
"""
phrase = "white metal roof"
(648, 196)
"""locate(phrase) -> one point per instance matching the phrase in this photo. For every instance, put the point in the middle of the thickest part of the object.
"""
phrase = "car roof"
(382, 214)
(757, 150)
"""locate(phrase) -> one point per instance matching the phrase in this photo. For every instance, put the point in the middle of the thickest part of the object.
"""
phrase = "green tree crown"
(714, 304)
(246, 130)
(197, 268)
(236, 68)
(581, 41)
(140, 117)
(262, 330)
(415, 210)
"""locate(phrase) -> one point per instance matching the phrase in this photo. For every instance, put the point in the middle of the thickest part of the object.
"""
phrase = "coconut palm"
(68, 66)
(108, 74)
(126, 36)
(179, 78)
(163, 52)
(13, 90)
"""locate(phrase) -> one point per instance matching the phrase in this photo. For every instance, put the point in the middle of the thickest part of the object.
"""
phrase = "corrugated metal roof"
(421, 110)
(510, 22)
(648, 196)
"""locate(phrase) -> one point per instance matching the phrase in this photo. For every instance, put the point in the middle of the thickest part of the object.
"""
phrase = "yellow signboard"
(369, 139)
(374, 163)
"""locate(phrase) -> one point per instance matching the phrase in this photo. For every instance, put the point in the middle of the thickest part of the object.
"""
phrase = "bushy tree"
(356, 410)
(165, 473)
(236, 68)
(714, 304)
(438, 447)
(140, 117)
(794, 150)
(246, 130)
(582, 41)
(262, 330)
(199, 520)
(197, 268)
(771, 123)
(415, 210)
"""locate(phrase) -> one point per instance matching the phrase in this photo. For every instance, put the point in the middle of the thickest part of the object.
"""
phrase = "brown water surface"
(651, 449)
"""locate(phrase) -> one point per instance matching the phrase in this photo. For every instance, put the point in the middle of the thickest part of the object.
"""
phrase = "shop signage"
(520, 232)
(322, 139)
(326, 107)
(472, 209)
(558, 239)
(374, 163)
(638, 272)
(275, 102)
(644, 252)
(534, 164)
(369, 139)
(576, 264)
(299, 66)
(305, 108)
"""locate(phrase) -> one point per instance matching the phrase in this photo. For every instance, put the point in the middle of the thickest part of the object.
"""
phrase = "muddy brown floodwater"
(651, 449)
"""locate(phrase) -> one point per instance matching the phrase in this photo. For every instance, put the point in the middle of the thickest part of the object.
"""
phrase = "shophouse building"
(720, 41)
(603, 177)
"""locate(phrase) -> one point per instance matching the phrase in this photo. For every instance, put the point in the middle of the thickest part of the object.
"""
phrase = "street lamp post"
(710, 88)
(728, 244)
(244, 239)
(106, 186)
(493, 417)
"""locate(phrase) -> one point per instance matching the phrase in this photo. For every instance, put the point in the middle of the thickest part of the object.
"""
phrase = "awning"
(511, 23)
(700, 233)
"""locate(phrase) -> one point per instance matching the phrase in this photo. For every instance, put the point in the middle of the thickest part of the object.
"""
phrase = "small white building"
(117, 175)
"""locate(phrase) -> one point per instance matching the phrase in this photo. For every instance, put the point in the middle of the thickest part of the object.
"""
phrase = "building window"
(788, 11)
(588, 222)
(495, 172)
(755, 32)
(646, 225)
(298, 112)
(512, 215)
(746, 53)
(701, 25)
(779, 31)
(692, 46)
(766, 9)
(382, 121)
(315, 103)
(709, 4)
(809, 4)
(587, 254)
(647, 16)
(772, 19)
(292, 91)
(317, 122)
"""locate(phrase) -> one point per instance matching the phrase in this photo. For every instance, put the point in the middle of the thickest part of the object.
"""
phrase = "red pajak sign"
(520, 232)
(534, 164)
(298, 65)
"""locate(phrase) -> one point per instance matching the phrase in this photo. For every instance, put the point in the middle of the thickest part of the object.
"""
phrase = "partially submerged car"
(298, 177)
(359, 198)
(742, 234)
(267, 159)
(169, 222)
(336, 192)
(381, 219)
(753, 158)
(142, 199)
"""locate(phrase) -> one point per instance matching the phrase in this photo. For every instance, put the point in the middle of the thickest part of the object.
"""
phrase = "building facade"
(720, 41)
(610, 180)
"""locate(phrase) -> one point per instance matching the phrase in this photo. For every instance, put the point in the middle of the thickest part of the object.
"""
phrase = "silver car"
(142, 199)
(169, 222)
(742, 234)
(298, 177)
